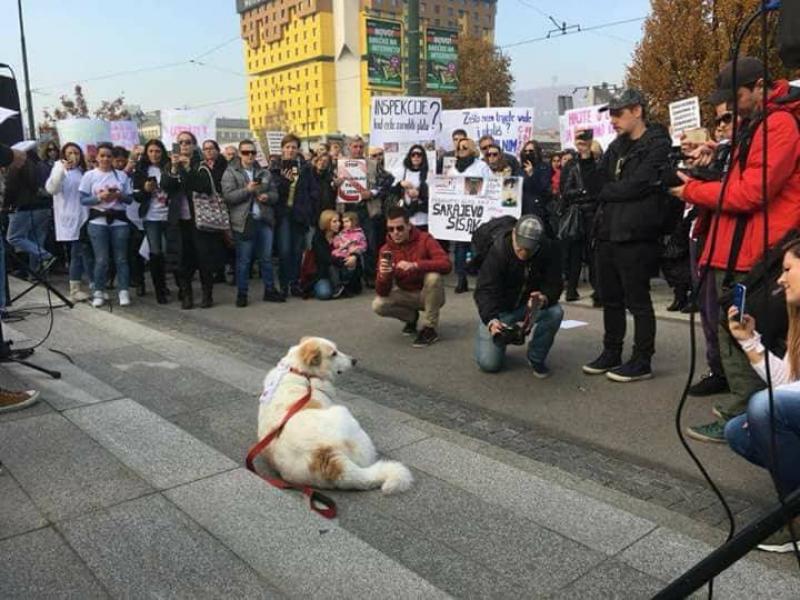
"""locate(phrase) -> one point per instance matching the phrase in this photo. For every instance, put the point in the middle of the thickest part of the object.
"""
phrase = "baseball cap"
(626, 98)
(748, 70)
(529, 232)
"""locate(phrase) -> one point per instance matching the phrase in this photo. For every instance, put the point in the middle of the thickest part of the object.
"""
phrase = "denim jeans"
(106, 240)
(258, 247)
(291, 240)
(156, 232)
(323, 289)
(27, 232)
(753, 442)
(81, 260)
(490, 357)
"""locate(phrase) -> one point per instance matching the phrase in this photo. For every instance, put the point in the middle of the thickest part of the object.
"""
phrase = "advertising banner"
(511, 127)
(587, 117)
(459, 205)
(385, 53)
(202, 123)
(441, 58)
(354, 173)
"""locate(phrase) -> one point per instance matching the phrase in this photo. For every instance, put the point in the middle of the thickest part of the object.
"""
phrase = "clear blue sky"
(78, 41)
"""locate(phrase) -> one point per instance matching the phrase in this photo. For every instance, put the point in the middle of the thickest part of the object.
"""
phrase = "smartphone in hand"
(739, 300)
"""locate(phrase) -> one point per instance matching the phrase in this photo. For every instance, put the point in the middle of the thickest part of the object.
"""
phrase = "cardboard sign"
(200, 122)
(124, 133)
(683, 115)
(459, 205)
(395, 152)
(587, 117)
(510, 127)
(354, 173)
(85, 133)
(404, 119)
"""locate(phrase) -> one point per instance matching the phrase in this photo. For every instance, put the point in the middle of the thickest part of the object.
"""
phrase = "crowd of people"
(621, 214)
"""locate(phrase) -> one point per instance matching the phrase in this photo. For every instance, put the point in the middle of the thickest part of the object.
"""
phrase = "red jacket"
(743, 194)
(420, 248)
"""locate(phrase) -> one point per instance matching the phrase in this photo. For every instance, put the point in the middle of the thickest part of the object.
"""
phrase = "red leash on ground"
(317, 501)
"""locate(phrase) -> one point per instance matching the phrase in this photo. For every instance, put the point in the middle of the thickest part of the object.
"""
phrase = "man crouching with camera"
(519, 284)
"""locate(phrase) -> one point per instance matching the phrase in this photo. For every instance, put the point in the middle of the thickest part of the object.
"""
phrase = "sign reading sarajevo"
(510, 127)
(384, 53)
(441, 55)
(459, 205)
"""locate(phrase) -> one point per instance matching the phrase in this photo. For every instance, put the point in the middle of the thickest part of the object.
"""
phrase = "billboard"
(385, 53)
(441, 59)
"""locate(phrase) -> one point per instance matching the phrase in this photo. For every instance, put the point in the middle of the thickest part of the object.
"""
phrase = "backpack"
(484, 237)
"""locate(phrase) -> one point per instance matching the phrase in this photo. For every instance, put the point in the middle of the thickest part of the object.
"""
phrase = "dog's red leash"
(317, 501)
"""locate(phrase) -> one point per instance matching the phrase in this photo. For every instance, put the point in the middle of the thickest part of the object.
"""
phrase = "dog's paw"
(399, 479)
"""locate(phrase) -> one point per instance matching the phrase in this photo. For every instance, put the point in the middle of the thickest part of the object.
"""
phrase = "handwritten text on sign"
(510, 127)
(587, 117)
(404, 119)
(459, 205)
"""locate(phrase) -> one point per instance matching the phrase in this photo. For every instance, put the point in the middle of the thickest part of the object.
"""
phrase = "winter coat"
(351, 241)
(536, 195)
(321, 248)
(632, 205)
(240, 201)
(25, 186)
(743, 192)
(302, 208)
(420, 248)
(505, 282)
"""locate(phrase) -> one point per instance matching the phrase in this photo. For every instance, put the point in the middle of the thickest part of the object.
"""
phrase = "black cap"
(625, 99)
(748, 71)
(529, 232)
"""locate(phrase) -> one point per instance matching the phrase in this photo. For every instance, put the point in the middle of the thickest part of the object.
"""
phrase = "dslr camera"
(510, 335)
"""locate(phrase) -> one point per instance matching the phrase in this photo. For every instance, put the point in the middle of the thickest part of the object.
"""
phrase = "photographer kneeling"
(518, 287)
(749, 434)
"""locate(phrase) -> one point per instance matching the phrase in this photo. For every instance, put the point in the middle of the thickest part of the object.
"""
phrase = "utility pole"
(412, 44)
(28, 99)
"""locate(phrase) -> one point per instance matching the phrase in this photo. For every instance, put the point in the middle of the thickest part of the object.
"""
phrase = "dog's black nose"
(354, 361)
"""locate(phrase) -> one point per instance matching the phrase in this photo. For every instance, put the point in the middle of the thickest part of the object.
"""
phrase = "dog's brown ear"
(311, 353)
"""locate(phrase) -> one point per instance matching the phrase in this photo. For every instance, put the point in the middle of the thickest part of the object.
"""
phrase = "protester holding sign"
(486, 143)
(537, 175)
(410, 189)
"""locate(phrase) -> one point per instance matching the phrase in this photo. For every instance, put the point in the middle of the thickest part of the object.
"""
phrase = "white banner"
(683, 115)
(124, 133)
(395, 152)
(84, 132)
(510, 127)
(588, 117)
(404, 119)
(459, 205)
(202, 123)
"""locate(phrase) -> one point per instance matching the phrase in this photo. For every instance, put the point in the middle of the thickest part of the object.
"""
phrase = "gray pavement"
(127, 479)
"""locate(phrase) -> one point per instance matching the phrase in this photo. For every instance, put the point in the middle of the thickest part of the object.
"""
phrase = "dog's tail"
(391, 476)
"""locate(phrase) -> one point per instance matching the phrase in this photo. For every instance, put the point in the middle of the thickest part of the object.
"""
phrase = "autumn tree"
(78, 107)
(482, 68)
(686, 42)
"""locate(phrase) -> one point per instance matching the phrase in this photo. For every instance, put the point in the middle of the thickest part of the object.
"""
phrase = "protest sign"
(395, 152)
(683, 115)
(384, 53)
(124, 133)
(510, 127)
(200, 122)
(587, 117)
(441, 59)
(84, 132)
(404, 119)
(274, 141)
(354, 173)
(459, 205)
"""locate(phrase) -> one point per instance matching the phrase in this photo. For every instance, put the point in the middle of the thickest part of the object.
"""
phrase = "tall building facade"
(308, 61)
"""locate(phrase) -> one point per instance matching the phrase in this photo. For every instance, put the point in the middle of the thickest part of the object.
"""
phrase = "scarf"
(463, 163)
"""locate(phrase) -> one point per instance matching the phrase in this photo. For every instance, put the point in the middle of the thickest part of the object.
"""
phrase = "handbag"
(570, 227)
(210, 212)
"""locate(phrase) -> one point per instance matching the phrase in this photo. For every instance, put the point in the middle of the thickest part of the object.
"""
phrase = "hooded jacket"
(743, 192)
(420, 248)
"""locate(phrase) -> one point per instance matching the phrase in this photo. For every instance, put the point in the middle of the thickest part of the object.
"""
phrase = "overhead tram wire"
(553, 36)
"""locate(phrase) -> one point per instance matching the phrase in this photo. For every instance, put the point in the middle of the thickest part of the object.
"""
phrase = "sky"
(85, 41)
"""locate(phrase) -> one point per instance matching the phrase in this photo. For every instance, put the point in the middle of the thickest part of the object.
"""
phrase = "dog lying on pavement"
(323, 445)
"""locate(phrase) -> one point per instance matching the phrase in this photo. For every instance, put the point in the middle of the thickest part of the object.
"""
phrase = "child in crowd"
(350, 241)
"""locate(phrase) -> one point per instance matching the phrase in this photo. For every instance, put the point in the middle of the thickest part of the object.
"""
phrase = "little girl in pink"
(350, 240)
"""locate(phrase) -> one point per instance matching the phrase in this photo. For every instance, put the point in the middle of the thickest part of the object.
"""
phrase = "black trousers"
(624, 270)
(573, 255)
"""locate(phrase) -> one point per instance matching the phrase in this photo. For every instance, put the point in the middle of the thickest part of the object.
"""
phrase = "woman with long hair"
(411, 186)
(327, 281)
(107, 191)
(70, 215)
(750, 434)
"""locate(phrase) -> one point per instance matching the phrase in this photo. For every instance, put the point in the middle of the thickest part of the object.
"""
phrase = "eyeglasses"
(247, 152)
(398, 228)
(185, 142)
(724, 119)
(492, 154)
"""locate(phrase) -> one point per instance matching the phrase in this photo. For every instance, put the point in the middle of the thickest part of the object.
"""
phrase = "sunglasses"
(724, 118)
(417, 154)
(247, 152)
(493, 154)
(185, 142)
(398, 229)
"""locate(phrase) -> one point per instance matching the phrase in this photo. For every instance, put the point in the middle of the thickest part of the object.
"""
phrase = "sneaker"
(710, 384)
(426, 337)
(124, 298)
(99, 299)
(710, 432)
(780, 541)
(17, 400)
(411, 328)
(338, 292)
(635, 369)
(273, 295)
(540, 370)
(241, 300)
(605, 362)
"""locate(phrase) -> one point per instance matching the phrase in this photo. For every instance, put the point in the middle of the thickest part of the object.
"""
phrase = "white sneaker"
(124, 298)
(98, 300)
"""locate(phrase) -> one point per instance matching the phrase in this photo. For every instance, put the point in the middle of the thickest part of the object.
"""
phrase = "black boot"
(207, 281)
(187, 296)
(679, 302)
(462, 285)
(159, 278)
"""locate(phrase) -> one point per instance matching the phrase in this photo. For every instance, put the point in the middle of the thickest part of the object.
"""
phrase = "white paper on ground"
(572, 324)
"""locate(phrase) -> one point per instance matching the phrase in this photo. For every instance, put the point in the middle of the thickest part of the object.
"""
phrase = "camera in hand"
(668, 175)
(510, 335)
(585, 135)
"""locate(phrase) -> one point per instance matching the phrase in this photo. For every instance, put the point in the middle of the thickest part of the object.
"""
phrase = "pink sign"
(124, 133)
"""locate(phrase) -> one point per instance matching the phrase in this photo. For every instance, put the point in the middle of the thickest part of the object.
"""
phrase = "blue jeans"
(106, 240)
(490, 357)
(27, 232)
(156, 232)
(323, 289)
(258, 247)
(753, 442)
(81, 260)
(291, 240)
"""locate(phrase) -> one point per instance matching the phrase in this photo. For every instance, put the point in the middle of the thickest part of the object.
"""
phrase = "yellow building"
(307, 60)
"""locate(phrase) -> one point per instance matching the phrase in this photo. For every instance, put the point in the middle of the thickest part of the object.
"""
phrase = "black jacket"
(505, 282)
(321, 248)
(632, 205)
(25, 185)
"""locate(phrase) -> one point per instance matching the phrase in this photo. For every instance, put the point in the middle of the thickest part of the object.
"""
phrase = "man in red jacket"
(410, 268)
(742, 207)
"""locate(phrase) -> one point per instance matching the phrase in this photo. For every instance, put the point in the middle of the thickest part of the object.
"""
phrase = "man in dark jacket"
(628, 226)
(520, 277)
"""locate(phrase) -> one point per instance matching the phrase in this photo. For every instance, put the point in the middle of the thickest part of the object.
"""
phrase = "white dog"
(322, 445)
